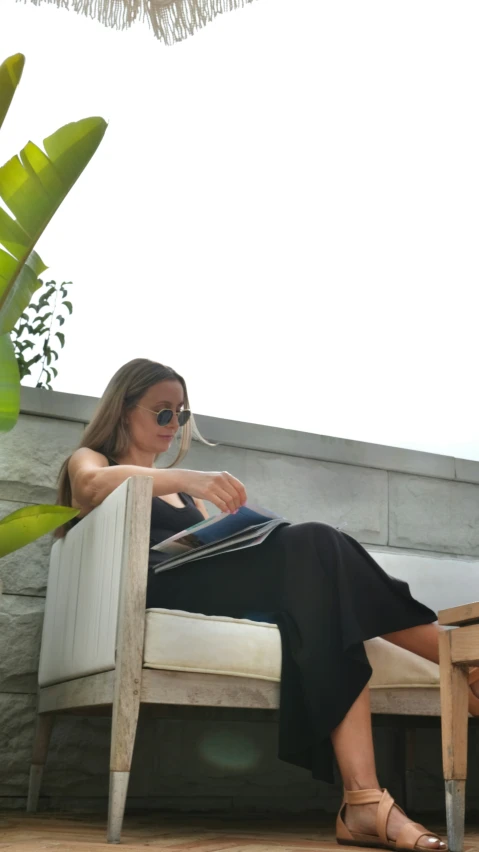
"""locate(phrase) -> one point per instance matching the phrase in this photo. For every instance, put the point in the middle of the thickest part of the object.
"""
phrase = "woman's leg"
(422, 640)
(353, 746)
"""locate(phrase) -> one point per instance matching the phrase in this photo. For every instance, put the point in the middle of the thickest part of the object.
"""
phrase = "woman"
(324, 591)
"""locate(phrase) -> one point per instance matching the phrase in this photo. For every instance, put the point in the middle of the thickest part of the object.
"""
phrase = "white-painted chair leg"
(116, 804)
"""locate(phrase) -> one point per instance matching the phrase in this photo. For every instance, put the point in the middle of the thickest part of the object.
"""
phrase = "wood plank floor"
(182, 833)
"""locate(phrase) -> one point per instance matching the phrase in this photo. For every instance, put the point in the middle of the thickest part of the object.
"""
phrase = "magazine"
(222, 533)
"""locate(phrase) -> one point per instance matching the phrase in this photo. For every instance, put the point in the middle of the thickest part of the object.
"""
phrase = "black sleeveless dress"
(325, 593)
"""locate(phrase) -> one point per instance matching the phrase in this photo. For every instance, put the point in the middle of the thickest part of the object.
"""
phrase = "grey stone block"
(25, 571)
(467, 470)
(352, 498)
(17, 713)
(432, 514)
(21, 620)
(13, 803)
(308, 445)
(35, 449)
(26, 493)
(78, 757)
(61, 406)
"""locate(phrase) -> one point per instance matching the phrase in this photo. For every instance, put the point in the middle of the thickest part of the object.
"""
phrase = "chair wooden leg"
(129, 652)
(124, 725)
(43, 731)
(454, 723)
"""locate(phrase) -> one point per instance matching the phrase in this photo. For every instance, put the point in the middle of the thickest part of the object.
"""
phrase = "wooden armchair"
(103, 652)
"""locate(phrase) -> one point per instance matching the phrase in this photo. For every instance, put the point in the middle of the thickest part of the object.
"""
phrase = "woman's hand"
(222, 489)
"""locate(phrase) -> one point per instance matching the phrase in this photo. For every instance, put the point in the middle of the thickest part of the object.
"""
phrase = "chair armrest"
(459, 616)
(85, 582)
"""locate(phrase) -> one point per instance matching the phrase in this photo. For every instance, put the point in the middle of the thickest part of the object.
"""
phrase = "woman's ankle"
(352, 783)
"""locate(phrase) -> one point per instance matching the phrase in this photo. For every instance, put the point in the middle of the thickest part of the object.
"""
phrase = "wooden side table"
(458, 649)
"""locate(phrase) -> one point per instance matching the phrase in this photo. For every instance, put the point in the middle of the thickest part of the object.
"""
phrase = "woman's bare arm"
(92, 479)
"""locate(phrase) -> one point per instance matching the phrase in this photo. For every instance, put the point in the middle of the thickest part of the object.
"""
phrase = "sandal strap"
(384, 809)
(362, 797)
(410, 834)
(385, 804)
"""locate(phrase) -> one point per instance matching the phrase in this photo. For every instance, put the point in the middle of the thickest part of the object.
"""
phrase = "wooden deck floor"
(181, 833)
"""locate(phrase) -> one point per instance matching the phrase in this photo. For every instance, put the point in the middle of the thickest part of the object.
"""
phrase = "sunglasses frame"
(178, 414)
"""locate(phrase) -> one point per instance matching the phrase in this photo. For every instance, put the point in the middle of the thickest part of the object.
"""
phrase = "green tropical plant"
(32, 186)
(37, 333)
(26, 525)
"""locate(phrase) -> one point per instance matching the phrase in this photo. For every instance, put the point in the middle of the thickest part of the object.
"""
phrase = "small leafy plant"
(37, 333)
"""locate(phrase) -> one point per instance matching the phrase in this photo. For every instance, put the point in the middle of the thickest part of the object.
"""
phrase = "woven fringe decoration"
(170, 20)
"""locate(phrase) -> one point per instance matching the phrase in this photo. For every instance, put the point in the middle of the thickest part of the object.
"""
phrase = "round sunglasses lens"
(164, 417)
(183, 417)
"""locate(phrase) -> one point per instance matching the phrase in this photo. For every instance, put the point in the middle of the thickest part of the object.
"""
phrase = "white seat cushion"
(190, 642)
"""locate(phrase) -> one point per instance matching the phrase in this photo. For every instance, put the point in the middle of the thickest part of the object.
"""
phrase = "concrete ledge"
(233, 433)
(308, 445)
(61, 406)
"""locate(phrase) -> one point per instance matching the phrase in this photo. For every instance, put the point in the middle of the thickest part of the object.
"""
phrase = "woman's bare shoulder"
(84, 458)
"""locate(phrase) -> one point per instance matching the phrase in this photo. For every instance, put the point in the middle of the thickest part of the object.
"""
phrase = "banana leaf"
(26, 525)
(32, 186)
(9, 385)
(10, 73)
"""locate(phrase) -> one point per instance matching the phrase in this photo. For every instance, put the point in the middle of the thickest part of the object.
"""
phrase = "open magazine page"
(248, 538)
(216, 529)
(250, 525)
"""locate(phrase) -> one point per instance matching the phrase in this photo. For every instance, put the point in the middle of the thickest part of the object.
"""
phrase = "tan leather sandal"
(407, 838)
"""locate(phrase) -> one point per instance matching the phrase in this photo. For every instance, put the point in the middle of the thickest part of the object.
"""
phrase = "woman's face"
(145, 433)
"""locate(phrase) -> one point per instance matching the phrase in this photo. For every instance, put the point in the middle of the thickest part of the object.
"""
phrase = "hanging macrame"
(170, 20)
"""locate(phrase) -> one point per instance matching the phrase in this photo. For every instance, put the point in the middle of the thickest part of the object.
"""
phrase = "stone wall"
(386, 497)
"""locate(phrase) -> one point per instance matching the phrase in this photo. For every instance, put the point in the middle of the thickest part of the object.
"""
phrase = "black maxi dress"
(325, 593)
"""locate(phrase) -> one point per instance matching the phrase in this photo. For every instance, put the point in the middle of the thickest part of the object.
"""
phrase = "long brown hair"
(107, 432)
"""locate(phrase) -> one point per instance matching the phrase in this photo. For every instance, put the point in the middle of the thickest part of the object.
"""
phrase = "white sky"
(285, 208)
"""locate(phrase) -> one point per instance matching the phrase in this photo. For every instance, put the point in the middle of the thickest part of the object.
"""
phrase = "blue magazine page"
(216, 529)
(248, 538)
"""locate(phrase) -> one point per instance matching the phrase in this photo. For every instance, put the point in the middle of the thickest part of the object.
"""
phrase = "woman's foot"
(361, 820)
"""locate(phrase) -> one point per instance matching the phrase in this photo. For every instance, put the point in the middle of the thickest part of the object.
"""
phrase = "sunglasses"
(166, 415)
